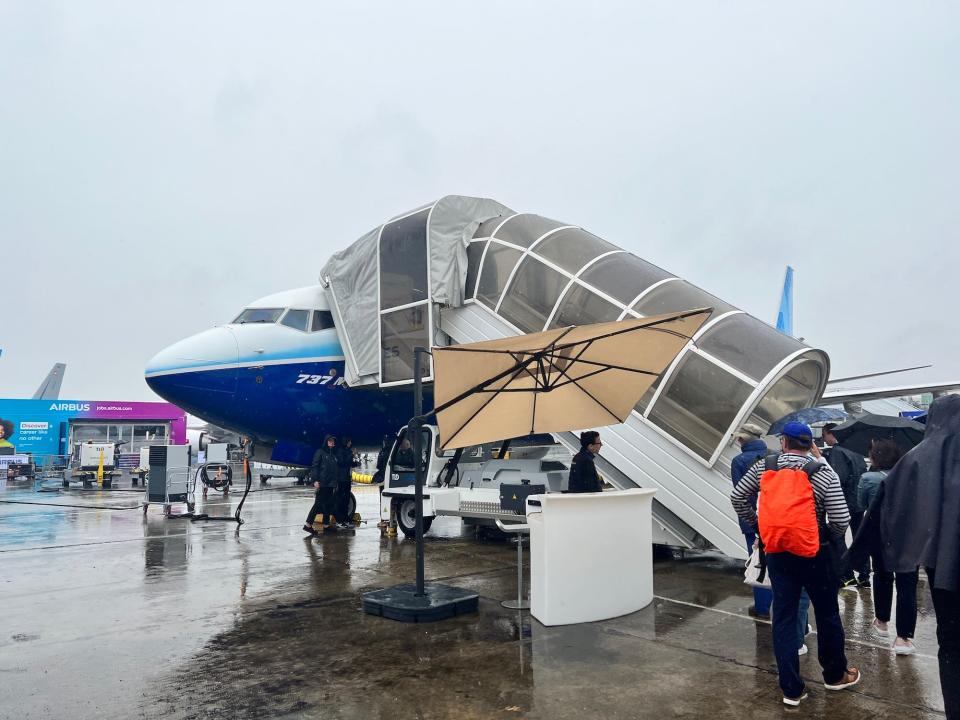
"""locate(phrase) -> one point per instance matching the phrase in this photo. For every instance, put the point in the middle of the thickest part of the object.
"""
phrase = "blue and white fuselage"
(276, 374)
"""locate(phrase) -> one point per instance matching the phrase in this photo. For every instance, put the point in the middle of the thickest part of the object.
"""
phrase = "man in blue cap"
(811, 569)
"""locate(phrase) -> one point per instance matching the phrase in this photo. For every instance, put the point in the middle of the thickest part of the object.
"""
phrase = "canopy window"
(524, 229)
(699, 403)
(678, 295)
(403, 261)
(747, 344)
(572, 248)
(530, 297)
(486, 228)
(798, 388)
(623, 276)
(579, 306)
(497, 266)
(474, 255)
(403, 284)
(400, 332)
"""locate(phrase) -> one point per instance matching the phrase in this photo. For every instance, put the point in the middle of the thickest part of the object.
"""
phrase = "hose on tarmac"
(226, 518)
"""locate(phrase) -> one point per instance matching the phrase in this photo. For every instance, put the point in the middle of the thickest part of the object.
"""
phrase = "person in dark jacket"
(382, 457)
(920, 517)
(752, 448)
(583, 472)
(324, 472)
(849, 467)
(884, 455)
(345, 462)
(405, 457)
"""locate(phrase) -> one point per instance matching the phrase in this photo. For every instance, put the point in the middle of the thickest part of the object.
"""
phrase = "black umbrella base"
(439, 602)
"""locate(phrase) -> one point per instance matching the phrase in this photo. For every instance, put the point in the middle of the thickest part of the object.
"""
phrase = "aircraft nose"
(205, 362)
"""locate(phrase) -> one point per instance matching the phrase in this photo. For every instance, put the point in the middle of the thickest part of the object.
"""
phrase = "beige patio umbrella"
(553, 381)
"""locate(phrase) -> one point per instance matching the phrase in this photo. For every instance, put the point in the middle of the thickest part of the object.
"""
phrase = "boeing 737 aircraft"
(276, 374)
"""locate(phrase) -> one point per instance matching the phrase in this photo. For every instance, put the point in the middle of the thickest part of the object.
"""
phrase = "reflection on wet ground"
(107, 613)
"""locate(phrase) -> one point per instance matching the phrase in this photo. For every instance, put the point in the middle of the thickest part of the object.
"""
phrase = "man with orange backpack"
(801, 510)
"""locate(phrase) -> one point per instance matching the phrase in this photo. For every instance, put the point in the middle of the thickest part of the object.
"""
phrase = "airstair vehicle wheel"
(407, 518)
(351, 506)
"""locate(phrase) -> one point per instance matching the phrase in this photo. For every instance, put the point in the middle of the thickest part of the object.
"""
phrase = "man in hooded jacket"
(324, 473)
(920, 526)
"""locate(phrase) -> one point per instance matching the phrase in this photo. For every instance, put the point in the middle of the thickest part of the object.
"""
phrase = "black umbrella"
(857, 433)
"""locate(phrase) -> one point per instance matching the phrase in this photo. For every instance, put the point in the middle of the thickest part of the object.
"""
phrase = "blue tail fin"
(785, 314)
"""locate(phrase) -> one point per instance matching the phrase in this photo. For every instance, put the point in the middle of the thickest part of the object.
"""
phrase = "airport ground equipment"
(169, 479)
(467, 484)
(575, 579)
(14, 466)
(96, 463)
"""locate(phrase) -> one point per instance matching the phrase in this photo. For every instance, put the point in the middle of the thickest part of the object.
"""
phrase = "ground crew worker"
(324, 474)
(345, 464)
(584, 477)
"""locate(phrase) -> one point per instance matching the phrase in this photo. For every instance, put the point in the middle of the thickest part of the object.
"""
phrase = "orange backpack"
(787, 511)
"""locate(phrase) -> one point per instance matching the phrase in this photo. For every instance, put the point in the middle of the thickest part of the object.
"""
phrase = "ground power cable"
(65, 505)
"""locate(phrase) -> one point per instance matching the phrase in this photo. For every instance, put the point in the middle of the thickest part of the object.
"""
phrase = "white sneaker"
(878, 629)
(904, 646)
(793, 702)
(804, 650)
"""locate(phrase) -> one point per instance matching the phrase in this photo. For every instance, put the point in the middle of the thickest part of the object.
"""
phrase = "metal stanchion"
(519, 531)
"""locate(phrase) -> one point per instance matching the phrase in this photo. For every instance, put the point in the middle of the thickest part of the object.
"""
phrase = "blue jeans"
(802, 620)
(790, 575)
(762, 597)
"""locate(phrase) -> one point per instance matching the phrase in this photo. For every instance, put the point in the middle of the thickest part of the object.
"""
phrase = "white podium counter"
(591, 555)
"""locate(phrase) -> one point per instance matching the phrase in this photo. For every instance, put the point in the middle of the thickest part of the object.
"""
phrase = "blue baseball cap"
(798, 431)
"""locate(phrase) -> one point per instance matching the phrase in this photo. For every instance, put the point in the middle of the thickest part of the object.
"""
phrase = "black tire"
(351, 507)
(406, 518)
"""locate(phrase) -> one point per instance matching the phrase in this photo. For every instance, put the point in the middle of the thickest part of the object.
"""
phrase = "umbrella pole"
(418, 454)
(412, 602)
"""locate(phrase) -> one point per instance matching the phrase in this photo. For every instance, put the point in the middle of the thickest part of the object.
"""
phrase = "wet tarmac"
(107, 613)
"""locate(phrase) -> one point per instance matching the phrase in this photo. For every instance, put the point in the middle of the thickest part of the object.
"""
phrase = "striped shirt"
(828, 497)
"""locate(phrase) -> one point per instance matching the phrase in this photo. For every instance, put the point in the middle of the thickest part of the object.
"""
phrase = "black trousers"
(321, 505)
(946, 604)
(883, 581)
(341, 501)
(856, 518)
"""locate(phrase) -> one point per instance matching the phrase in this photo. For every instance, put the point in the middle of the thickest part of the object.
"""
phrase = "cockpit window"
(259, 315)
(296, 319)
(322, 320)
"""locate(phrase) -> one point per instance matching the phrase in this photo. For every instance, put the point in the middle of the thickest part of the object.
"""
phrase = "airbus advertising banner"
(39, 426)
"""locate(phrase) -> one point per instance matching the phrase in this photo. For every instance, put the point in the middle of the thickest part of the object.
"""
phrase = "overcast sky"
(162, 164)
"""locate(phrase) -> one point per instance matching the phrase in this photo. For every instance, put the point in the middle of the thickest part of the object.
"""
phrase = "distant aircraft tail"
(50, 387)
(785, 314)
